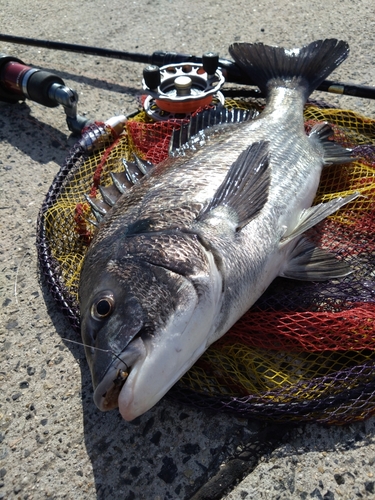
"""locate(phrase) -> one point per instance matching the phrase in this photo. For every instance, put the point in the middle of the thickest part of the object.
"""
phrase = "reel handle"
(19, 82)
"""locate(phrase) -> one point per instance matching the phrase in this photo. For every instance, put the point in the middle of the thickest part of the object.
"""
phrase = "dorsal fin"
(122, 182)
(195, 132)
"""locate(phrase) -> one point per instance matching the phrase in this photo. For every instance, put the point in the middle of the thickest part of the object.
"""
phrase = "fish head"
(146, 317)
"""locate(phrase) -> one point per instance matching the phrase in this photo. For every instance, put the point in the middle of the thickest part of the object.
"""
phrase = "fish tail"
(304, 68)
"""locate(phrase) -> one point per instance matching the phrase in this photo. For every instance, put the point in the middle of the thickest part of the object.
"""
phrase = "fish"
(185, 252)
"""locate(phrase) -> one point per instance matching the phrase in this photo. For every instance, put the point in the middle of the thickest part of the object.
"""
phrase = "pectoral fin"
(245, 187)
(310, 263)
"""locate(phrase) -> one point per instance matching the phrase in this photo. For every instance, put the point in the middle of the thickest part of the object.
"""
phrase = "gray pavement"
(54, 443)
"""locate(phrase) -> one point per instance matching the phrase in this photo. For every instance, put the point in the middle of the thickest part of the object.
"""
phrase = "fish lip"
(107, 392)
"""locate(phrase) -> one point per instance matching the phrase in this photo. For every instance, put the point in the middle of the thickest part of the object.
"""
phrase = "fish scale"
(190, 247)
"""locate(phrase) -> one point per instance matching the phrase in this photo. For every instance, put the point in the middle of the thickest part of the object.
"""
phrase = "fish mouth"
(108, 390)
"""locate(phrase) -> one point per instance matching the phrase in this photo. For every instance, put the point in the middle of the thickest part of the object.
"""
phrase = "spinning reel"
(177, 90)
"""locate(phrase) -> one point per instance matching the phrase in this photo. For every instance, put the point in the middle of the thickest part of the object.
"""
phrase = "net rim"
(250, 406)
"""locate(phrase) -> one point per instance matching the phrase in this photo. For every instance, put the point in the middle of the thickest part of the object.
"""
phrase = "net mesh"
(305, 351)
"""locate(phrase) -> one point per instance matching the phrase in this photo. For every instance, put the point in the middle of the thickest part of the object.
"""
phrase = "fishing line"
(97, 349)
(16, 277)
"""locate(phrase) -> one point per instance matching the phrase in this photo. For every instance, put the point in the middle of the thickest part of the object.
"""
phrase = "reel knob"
(151, 76)
(210, 61)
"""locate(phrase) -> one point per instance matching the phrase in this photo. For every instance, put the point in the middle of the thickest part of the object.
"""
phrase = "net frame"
(279, 390)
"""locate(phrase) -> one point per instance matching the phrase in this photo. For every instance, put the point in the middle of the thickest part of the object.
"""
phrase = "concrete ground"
(54, 443)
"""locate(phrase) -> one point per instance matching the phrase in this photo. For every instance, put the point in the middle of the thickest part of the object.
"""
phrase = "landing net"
(305, 351)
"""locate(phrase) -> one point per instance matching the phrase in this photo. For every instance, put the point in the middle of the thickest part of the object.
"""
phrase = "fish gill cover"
(305, 350)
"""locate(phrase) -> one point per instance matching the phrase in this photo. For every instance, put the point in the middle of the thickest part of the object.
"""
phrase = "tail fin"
(290, 68)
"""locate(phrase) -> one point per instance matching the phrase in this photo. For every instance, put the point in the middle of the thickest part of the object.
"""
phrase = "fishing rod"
(161, 58)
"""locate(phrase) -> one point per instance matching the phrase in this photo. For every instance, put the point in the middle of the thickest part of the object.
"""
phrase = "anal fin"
(311, 216)
(310, 263)
(333, 153)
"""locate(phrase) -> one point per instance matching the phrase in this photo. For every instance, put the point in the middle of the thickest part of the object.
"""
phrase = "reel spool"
(177, 90)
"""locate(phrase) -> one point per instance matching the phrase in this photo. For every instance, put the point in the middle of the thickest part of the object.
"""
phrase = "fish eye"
(103, 307)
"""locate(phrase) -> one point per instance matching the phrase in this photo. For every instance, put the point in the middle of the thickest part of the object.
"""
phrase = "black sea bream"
(188, 250)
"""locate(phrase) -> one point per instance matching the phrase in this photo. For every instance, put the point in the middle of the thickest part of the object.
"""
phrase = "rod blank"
(161, 58)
